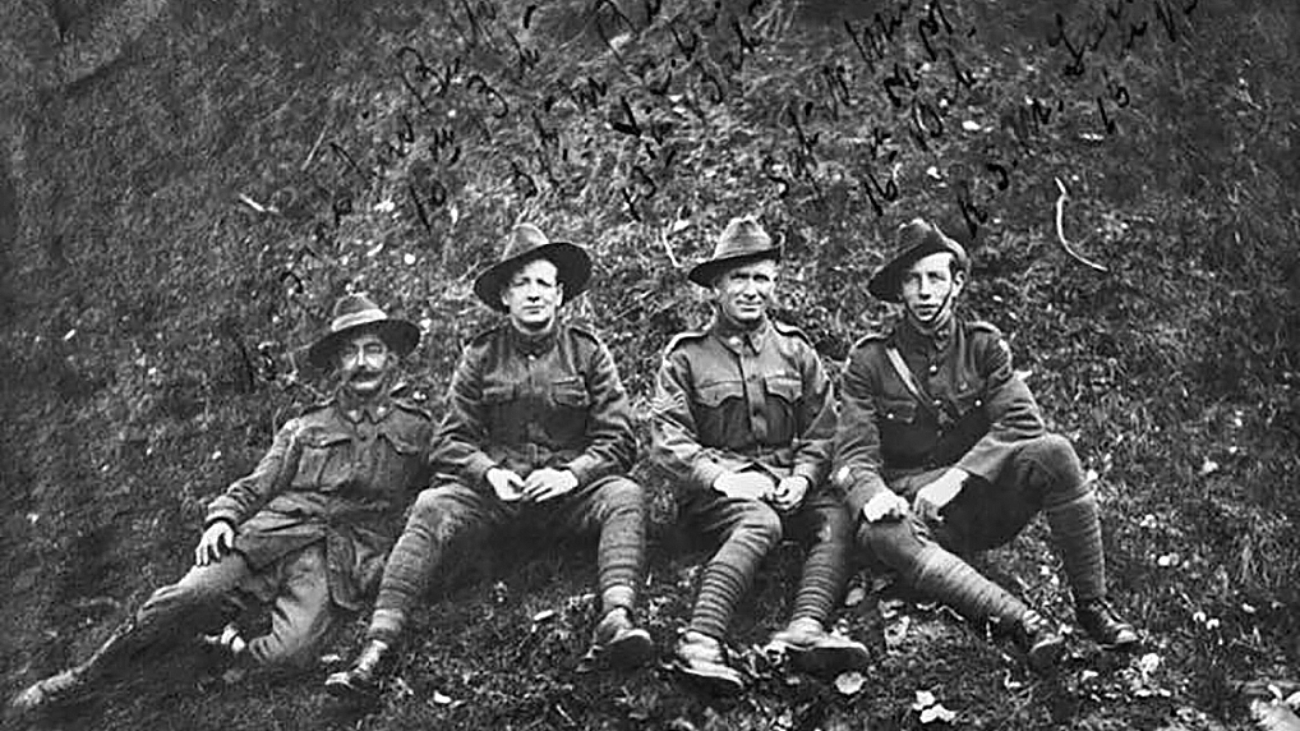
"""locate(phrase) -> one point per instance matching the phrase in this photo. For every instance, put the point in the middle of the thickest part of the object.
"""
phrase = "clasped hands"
(541, 485)
(929, 501)
(785, 494)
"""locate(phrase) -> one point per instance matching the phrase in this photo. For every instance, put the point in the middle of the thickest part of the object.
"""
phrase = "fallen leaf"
(849, 683)
(896, 632)
(937, 713)
(855, 596)
(1149, 663)
(924, 699)
(971, 125)
(441, 699)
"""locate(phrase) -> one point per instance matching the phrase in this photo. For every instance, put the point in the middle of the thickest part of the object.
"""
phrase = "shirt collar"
(357, 410)
(735, 337)
(534, 343)
(916, 341)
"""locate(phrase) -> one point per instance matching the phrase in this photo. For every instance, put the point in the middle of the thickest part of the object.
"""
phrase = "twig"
(1060, 231)
(663, 238)
(257, 206)
(312, 154)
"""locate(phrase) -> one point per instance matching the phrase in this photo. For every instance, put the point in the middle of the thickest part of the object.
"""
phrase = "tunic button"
(934, 368)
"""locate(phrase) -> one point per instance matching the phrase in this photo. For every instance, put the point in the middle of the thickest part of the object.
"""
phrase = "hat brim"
(572, 263)
(704, 273)
(885, 283)
(400, 336)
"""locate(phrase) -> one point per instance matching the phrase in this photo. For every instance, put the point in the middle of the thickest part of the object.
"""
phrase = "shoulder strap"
(905, 375)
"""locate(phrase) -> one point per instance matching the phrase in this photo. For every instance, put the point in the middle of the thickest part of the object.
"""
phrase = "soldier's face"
(745, 292)
(533, 295)
(364, 364)
(930, 288)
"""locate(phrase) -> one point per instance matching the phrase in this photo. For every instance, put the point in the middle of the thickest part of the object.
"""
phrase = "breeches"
(454, 513)
(202, 601)
(1042, 474)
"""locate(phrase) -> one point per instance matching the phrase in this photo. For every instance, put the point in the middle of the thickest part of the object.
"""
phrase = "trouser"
(1043, 474)
(207, 596)
(454, 516)
(747, 531)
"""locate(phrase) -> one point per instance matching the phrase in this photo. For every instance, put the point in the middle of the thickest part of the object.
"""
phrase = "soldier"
(943, 451)
(308, 530)
(539, 433)
(743, 419)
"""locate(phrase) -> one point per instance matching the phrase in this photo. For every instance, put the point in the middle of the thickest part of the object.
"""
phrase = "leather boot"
(1038, 640)
(703, 660)
(813, 650)
(619, 643)
(1099, 619)
(363, 681)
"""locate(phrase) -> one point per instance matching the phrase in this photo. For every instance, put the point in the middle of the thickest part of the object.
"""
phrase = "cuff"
(478, 468)
(809, 473)
(218, 516)
(582, 467)
(708, 471)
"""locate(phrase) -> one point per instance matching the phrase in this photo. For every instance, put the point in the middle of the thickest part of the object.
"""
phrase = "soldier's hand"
(507, 484)
(216, 542)
(931, 498)
(886, 505)
(790, 492)
(745, 485)
(547, 483)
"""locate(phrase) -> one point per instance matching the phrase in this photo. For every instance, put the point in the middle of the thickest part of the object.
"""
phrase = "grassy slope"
(1175, 372)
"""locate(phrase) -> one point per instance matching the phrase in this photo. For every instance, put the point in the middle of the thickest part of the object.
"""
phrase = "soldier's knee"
(429, 509)
(1054, 452)
(762, 523)
(895, 543)
(622, 493)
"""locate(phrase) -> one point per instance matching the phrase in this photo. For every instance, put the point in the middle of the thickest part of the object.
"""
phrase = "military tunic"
(728, 400)
(973, 413)
(341, 473)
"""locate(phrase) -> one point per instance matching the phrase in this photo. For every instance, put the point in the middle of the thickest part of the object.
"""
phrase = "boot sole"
(345, 690)
(1042, 658)
(632, 650)
(829, 660)
(717, 684)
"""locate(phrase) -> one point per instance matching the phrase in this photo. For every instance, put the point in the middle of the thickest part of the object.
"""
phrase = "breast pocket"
(570, 393)
(324, 460)
(403, 463)
(900, 412)
(721, 416)
(787, 387)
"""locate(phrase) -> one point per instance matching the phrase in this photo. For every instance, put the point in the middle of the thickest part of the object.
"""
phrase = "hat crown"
(523, 238)
(919, 234)
(741, 237)
(354, 309)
